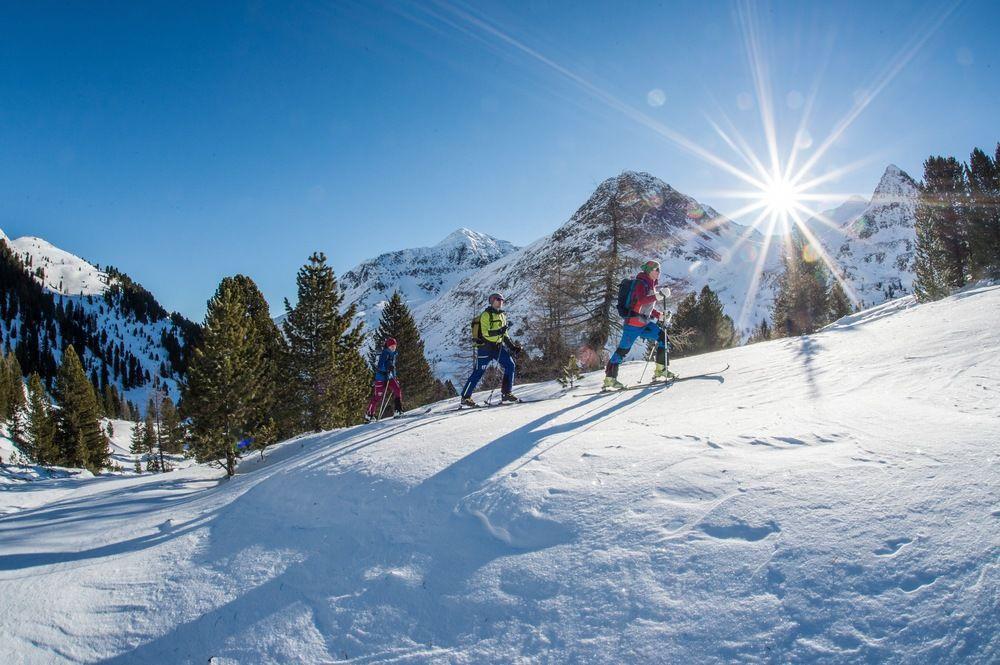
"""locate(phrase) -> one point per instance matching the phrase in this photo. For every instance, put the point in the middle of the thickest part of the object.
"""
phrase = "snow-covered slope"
(58, 270)
(123, 335)
(419, 274)
(874, 247)
(829, 498)
(696, 245)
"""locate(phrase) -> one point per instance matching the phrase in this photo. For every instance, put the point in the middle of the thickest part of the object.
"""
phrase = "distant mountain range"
(871, 242)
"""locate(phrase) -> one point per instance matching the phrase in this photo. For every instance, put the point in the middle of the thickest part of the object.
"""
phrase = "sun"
(780, 197)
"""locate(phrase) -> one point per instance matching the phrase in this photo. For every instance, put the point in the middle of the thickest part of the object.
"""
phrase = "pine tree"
(760, 333)
(420, 386)
(4, 388)
(837, 302)
(138, 448)
(550, 326)
(330, 376)
(16, 402)
(173, 430)
(983, 178)
(700, 325)
(151, 441)
(570, 373)
(800, 307)
(41, 429)
(941, 260)
(78, 434)
(228, 396)
(716, 328)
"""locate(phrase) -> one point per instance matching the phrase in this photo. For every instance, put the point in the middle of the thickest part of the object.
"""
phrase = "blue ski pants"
(650, 331)
(484, 356)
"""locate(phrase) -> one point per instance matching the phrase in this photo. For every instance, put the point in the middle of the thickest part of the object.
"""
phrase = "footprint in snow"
(740, 530)
(892, 546)
(918, 581)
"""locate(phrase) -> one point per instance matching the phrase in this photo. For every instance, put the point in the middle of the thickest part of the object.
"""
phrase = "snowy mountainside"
(57, 270)
(874, 248)
(420, 274)
(124, 337)
(693, 242)
(829, 498)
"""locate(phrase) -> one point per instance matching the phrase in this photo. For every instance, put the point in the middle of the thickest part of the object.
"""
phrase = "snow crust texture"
(829, 498)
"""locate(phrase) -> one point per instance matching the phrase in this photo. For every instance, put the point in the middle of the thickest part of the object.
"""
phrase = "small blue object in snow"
(245, 443)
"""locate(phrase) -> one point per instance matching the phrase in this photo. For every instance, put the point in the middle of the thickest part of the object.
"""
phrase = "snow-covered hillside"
(829, 498)
(123, 335)
(873, 247)
(694, 243)
(58, 270)
(419, 274)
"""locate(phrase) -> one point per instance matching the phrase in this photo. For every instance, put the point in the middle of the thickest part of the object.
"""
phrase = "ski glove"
(656, 315)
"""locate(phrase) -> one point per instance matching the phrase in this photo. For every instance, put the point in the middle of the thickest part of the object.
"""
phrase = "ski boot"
(399, 414)
(369, 417)
(509, 398)
(611, 383)
(468, 402)
(661, 373)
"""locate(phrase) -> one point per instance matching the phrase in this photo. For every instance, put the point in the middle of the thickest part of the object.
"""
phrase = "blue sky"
(183, 142)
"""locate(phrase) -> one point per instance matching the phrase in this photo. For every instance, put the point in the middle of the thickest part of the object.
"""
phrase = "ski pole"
(385, 395)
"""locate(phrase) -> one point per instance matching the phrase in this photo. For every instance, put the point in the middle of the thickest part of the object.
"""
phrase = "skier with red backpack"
(385, 378)
(637, 306)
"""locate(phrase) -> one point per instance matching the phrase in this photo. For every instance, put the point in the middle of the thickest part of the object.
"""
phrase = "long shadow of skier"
(807, 351)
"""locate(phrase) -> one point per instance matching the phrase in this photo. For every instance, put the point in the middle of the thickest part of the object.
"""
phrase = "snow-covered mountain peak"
(420, 274)
(465, 237)
(895, 186)
(57, 270)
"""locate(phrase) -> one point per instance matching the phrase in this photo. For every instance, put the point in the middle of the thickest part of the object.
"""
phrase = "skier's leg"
(509, 368)
(376, 399)
(629, 333)
(397, 393)
(483, 359)
(654, 332)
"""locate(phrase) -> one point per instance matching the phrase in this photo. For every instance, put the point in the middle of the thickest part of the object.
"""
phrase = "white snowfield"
(831, 498)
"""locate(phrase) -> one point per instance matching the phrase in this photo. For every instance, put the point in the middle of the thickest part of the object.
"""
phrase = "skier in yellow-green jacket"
(493, 344)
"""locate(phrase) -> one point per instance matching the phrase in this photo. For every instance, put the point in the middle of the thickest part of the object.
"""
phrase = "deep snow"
(832, 497)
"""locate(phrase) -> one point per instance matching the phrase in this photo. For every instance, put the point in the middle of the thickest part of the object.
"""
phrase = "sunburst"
(781, 192)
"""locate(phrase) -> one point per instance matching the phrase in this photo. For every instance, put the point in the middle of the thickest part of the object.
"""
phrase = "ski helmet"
(390, 341)
(496, 296)
(650, 266)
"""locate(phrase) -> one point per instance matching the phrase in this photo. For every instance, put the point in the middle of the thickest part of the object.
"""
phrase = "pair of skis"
(657, 384)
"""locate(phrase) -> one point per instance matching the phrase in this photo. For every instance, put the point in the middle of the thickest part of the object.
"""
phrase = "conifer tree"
(41, 429)
(800, 307)
(414, 372)
(760, 333)
(330, 376)
(173, 430)
(570, 373)
(138, 447)
(837, 302)
(4, 389)
(78, 434)
(700, 325)
(983, 177)
(16, 402)
(227, 395)
(151, 441)
(941, 259)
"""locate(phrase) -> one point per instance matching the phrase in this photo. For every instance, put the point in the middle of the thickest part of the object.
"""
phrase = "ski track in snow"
(834, 498)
